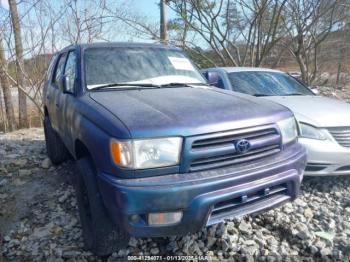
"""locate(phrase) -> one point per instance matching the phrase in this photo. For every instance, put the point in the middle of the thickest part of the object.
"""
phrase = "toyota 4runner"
(159, 152)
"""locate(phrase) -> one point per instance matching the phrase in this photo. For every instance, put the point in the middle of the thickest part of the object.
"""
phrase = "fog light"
(160, 219)
(135, 218)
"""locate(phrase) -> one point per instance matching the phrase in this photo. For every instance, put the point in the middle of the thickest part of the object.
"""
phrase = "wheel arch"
(81, 150)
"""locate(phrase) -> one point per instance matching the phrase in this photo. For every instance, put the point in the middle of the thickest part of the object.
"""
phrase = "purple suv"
(160, 152)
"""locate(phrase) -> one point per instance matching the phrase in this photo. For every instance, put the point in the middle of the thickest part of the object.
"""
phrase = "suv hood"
(186, 111)
(316, 110)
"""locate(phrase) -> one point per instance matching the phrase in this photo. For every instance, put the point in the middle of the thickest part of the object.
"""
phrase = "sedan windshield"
(267, 84)
(117, 67)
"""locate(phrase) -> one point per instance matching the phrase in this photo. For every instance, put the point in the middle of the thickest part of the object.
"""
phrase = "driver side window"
(70, 72)
(220, 83)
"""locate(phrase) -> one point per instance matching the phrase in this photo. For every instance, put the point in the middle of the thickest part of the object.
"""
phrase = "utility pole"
(163, 23)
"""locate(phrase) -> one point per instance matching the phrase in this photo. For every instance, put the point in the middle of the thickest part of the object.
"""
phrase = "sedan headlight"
(146, 153)
(288, 130)
(308, 131)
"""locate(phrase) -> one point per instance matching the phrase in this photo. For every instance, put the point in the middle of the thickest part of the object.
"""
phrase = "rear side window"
(59, 69)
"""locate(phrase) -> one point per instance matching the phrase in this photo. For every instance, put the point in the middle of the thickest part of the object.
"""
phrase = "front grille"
(218, 150)
(249, 203)
(341, 135)
(228, 139)
(231, 159)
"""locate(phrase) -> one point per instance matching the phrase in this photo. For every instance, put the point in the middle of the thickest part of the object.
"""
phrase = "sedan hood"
(186, 111)
(316, 110)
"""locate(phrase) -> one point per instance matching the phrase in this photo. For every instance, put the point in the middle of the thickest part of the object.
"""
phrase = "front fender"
(95, 140)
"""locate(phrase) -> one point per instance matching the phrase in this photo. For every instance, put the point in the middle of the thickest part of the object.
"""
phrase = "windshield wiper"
(257, 95)
(140, 85)
(294, 94)
(146, 85)
(291, 94)
(178, 84)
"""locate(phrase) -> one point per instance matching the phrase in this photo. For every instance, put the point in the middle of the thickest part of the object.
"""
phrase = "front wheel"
(101, 235)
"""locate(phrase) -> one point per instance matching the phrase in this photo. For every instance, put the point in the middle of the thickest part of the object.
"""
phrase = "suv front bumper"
(205, 197)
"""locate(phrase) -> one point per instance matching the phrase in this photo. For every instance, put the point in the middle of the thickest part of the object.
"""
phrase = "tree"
(5, 85)
(308, 24)
(22, 99)
(239, 32)
(84, 21)
(261, 28)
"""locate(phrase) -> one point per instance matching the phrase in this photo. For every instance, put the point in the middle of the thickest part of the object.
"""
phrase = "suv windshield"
(267, 84)
(138, 65)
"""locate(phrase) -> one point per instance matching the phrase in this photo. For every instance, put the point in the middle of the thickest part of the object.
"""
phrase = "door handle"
(57, 105)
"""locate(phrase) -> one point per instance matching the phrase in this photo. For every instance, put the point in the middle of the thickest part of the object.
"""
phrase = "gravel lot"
(38, 217)
(39, 220)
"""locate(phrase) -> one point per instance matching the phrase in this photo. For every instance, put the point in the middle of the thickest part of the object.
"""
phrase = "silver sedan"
(324, 123)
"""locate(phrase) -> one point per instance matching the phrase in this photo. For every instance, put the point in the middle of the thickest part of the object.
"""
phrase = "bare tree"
(213, 33)
(22, 99)
(86, 21)
(238, 32)
(139, 26)
(308, 24)
(5, 85)
(261, 28)
(44, 29)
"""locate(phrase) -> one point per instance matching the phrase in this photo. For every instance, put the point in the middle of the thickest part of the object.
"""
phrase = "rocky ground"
(342, 93)
(38, 217)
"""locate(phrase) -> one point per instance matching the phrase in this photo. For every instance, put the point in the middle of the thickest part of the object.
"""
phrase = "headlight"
(308, 131)
(288, 130)
(146, 153)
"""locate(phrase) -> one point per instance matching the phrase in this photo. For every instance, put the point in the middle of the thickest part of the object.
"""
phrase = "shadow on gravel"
(27, 182)
(325, 184)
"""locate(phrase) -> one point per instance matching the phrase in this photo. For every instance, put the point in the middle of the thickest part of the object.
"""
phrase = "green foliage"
(175, 24)
(198, 59)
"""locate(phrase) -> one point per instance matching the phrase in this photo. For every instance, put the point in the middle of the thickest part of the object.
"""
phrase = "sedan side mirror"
(213, 78)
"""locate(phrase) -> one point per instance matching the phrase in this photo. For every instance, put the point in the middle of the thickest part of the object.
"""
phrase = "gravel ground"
(38, 217)
(342, 93)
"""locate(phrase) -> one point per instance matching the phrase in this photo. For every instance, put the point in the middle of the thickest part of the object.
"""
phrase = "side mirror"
(213, 78)
(64, 84)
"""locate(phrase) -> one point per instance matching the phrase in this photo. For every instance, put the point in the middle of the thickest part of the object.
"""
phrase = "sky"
(4, 4)
(148, 8)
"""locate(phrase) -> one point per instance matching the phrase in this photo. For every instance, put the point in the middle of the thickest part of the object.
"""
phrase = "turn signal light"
(121, 153)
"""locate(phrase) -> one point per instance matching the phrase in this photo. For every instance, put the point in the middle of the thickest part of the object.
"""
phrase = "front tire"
(56, 150)
(101, 235)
